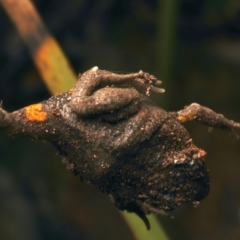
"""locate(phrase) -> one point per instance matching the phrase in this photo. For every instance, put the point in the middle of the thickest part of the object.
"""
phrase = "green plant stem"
(139, 229)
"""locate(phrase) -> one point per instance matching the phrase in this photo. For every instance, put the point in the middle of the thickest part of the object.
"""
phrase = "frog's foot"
(148, 82)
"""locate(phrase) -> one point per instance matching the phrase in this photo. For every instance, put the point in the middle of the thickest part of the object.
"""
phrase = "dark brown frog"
(111, 134)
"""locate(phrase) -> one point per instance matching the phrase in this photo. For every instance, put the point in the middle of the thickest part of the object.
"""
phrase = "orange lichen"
(34, 113)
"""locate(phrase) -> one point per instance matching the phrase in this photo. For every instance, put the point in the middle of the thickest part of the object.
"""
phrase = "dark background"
(193, 46)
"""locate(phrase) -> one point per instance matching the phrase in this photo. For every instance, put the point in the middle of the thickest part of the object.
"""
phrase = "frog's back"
(164, 170)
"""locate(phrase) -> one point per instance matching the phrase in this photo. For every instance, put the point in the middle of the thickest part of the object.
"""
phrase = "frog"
(109, 132)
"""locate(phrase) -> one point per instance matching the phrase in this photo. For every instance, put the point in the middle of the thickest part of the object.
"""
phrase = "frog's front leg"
(205, 116)
(35, 121)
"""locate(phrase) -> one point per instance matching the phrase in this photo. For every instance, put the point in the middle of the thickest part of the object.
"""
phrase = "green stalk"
(139, 229)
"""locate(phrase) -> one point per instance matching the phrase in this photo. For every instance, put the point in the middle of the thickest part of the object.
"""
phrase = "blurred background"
(192, 45)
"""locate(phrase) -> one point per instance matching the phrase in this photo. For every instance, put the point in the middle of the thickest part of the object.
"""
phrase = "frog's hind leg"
(107, 101)
(95, 78)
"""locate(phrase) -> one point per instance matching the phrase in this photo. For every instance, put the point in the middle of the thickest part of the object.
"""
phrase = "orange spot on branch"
(34, 113)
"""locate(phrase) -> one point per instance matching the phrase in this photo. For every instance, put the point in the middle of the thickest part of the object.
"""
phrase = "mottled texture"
(112, 135)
